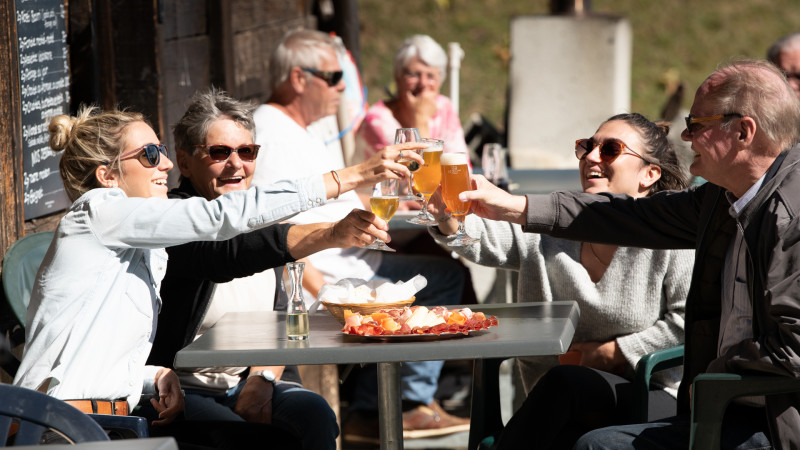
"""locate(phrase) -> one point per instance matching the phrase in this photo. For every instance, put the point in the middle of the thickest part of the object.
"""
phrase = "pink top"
(379, 125)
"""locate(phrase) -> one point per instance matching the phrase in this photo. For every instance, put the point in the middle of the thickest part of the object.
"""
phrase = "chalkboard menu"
(44, 93)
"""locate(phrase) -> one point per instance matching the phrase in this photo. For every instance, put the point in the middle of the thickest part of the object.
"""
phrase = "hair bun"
(664, 126)
(60, 129)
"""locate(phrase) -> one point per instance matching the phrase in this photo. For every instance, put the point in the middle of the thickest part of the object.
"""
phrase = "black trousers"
(569, 401)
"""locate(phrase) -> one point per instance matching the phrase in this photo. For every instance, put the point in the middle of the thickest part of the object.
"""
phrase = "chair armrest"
(126, 427)
(649, 363)
(711, 394)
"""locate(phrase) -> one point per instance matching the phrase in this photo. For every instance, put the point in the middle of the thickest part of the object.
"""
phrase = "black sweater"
(194, 268)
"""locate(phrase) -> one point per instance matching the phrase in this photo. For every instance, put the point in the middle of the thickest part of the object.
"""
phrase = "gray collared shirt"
(736, 322)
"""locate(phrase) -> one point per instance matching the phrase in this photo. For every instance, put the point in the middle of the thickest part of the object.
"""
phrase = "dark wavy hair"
(658, 151)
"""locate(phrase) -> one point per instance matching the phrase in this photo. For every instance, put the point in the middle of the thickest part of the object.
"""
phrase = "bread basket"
(337, 309)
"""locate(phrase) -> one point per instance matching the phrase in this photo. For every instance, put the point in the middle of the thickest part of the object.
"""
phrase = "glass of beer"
(455, 180)
(401, 136)
(383, 203)
(427, 179)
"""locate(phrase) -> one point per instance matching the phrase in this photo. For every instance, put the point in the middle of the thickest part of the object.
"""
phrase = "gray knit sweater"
(639, 301)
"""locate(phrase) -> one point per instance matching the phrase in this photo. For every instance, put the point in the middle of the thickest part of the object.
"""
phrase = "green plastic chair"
(647, 365)
(713, 392)
(20, 264)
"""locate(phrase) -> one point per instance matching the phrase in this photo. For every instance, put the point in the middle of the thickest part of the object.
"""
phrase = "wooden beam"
(11, 201)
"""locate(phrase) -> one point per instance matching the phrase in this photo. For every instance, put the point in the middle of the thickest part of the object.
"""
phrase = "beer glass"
(383, 203)
(401, 136)
(455, 180)
(427, 179)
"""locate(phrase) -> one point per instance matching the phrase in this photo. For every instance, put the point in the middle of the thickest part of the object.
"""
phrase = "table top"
(259, 339)
(160, 443)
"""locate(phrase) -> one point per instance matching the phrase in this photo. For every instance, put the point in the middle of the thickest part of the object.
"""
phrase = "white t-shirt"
(290, 151)
(253, 293)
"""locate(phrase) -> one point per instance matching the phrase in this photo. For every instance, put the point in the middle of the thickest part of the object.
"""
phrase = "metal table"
(259, 339)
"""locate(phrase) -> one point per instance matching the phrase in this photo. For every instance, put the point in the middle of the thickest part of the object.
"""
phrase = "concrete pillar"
(567, 75)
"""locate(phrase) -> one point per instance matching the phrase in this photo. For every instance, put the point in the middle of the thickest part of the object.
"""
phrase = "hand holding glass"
(383, 203)
(455, 180)
(401, 136)
(427, 179)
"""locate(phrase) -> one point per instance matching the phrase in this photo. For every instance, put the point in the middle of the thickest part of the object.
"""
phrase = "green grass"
(683, 38)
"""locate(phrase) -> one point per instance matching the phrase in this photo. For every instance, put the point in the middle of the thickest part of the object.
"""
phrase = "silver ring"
(400, 155)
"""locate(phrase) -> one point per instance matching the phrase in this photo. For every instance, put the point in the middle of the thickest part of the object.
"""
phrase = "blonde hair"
(89, 139)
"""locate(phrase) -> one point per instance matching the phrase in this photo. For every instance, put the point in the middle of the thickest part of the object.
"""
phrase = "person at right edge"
(743, 306)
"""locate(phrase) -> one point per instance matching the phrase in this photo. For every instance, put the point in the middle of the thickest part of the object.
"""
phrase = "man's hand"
(491, 202)
(255, 400)
(170, 399)
(605, 356)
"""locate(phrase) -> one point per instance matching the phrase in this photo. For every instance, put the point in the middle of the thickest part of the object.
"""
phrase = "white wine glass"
(455, 180)
(401, 136)
(383, 203)
(427, 179)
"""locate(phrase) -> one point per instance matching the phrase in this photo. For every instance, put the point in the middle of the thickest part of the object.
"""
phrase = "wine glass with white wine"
(401, 136)
(383, 203)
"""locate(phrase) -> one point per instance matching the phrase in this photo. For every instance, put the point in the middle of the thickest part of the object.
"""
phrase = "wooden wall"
(11, 226)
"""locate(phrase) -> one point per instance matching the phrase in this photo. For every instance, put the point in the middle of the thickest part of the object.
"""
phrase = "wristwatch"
(266, 374)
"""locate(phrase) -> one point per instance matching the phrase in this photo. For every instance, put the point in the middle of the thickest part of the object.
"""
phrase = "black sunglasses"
(149, 155)
(221, 153)
(609, 150)
(331, 77)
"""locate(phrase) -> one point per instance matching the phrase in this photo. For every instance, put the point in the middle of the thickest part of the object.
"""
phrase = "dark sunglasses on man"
(149, 155)
(221, 153)
(609, 149)
(331, 77)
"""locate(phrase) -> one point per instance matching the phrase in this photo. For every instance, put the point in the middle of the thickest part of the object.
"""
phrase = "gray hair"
(298, 48)
(758, 89)
(426, 49)
(206, 107)
(786, 43)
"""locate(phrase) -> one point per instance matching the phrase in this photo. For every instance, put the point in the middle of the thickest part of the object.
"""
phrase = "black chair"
(26, 415)
(486, 422)
(20, 265)
(713, 392)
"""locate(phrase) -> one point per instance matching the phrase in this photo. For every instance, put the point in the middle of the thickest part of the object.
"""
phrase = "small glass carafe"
(296, 311)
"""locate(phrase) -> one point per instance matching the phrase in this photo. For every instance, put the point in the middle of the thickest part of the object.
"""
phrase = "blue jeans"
(299, 411)
(419, 379)
(744, 428)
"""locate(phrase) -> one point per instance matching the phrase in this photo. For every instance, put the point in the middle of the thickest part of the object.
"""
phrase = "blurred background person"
(306, 86)
(420, 68)
(624, 314)
(785, 53)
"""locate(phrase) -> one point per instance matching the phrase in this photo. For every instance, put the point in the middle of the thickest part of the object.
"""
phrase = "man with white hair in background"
(306, 82)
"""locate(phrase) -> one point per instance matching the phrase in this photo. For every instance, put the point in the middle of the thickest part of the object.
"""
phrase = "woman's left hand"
(604, 356)
(170, 401)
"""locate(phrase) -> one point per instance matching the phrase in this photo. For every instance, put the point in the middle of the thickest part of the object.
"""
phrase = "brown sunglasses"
(609, 149)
